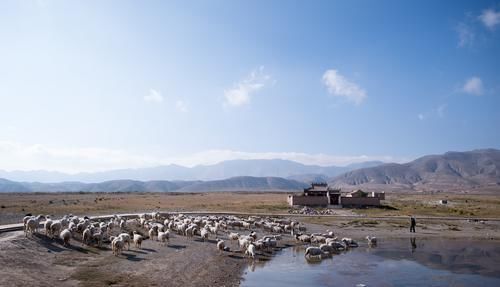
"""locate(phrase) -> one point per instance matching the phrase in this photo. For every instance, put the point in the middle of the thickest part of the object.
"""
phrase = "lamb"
(138, 240)
(65, 235)
(372, 241)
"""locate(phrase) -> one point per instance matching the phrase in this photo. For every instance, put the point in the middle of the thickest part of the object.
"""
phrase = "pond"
(397, 262)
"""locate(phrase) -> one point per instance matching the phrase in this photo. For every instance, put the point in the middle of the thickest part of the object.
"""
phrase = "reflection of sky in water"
(392, 263)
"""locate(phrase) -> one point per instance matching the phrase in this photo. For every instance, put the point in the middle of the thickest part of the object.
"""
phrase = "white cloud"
(421, 117)
(340, 86)
(153, 96)
(473, 86)
(241, 92)
(181, 106)
(17, 156)
(490, 18)
(465, 35)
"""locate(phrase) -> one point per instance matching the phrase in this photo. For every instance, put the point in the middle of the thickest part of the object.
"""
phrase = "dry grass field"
(13, 206)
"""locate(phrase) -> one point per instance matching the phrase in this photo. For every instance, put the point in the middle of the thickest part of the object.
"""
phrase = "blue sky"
(94, 85)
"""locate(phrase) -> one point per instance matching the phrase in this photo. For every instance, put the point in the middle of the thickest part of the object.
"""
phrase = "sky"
(98, 85)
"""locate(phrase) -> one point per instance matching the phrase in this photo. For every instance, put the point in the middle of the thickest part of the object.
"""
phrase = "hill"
(452, 171)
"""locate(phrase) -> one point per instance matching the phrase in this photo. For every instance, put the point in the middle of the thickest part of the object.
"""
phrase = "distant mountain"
(243, 183)
(222, 170)
(450, 171)
(247, 183)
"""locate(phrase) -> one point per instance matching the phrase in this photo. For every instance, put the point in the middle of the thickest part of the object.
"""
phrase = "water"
(408, 262)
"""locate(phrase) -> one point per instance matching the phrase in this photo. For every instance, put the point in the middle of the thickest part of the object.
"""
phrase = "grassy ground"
(13, 206)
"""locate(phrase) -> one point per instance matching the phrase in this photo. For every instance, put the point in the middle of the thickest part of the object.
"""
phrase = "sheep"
(303, 238)
(233, 236)
(46, 226)
(153, 232)
(163, 237)
(117, 245)
(138, 240)
(313, 253)
(65, 235)
(220, 245)
(126, 239)
(98, 237)
(250, 250)
(349, 242)
(327, 248)
(204, 234)
(86, 236)
(372, 241)
(318, 239)
(55, 228)
(32, 224)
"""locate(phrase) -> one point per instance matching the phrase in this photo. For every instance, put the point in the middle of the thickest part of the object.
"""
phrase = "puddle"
(408, 262)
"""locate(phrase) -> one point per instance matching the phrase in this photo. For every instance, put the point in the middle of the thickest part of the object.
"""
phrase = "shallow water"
(408, 262)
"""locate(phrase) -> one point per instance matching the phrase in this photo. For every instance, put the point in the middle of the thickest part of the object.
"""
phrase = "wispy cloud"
(421, 117)
(473, 86)
(153, 96)
(490, 18)
(465, 34)
(17, 156)
(241, 92)
(181, 106)
(340, 86)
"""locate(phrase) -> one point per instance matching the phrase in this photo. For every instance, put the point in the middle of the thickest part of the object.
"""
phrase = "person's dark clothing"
(413, 224)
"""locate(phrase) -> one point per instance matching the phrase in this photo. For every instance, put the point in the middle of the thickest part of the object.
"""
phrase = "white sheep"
(220, 245)
(138, 240)
(126, 239)
(204, 234)
(65, 235)
(55, 228)
(163, 237)
(32, 224)
(250, 250)
(117, 245)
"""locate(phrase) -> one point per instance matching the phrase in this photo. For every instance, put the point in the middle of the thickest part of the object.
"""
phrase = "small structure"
(320, 194)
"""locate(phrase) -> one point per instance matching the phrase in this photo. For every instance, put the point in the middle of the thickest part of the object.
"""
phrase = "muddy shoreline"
(40, 261)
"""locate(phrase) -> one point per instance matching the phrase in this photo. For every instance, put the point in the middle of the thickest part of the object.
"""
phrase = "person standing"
(413, 223)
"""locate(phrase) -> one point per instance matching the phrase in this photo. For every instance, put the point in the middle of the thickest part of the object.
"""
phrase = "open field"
(13, 206)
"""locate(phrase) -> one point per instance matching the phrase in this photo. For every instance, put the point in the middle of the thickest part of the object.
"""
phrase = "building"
(320, 194)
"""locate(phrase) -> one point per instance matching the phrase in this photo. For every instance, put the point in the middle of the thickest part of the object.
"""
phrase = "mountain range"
(452, 171)
(477, 170)
(219, 171)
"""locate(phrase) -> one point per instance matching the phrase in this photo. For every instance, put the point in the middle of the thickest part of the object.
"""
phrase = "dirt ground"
(13, 206)
(40, 261)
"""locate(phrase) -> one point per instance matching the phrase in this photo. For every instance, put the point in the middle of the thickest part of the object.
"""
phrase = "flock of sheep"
(120, 232)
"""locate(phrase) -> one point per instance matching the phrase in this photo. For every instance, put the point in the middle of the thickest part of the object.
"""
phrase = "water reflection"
(392, 263)
(413, 244)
